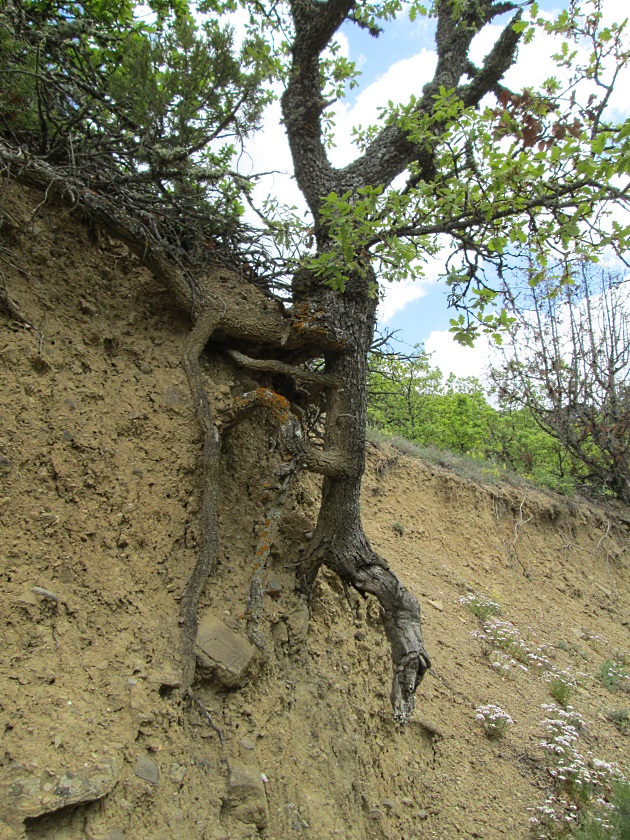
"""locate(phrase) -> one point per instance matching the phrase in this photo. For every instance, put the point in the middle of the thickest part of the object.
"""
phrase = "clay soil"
(99, 459)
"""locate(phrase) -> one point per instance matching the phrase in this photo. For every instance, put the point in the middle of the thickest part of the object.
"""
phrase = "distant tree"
(409, 397)
(516, 440)
(400, 392)
(568, 363)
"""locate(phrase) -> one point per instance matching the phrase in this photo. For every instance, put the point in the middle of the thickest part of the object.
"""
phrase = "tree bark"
(339, 541)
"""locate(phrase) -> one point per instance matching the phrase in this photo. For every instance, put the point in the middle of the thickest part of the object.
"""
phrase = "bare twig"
(205, 713)
(513, 556)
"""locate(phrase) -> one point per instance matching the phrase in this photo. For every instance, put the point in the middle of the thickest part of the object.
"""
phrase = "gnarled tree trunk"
(339, 541)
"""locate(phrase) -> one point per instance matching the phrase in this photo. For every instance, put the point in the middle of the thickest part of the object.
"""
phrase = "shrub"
(561, 690)
(620, 718)
(614, 675)
(480, 605)
(494, 720)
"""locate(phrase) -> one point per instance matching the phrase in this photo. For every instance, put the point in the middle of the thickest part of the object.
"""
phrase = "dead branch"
(513, 557)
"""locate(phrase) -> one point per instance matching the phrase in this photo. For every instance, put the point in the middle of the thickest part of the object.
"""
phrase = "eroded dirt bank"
(99, 452)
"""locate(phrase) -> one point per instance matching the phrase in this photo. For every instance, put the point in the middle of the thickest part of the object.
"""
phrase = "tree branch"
(248, 318)
(320, 380)
(391, 152)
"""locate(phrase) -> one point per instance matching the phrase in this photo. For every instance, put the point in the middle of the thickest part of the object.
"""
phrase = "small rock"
(274, 589)
(375, 814)
(167, 675)
(245, 797)
(178, 772)
(438, 605)
(298, 622)
(222, 653)
(389, 804)
(422, 815)
(5, 464)
(280, 633)
(24, 794)
(147, 769)
(45, 593)
(360, 635)
(232, 623)
(86, 307)
(247, 744)
(40, 364)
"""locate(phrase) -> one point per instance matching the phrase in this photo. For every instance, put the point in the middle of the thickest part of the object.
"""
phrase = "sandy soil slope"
(99, 453)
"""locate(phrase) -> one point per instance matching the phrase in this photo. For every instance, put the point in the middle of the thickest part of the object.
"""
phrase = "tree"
(528, 169)
(406, 396)
(400, 393)
(569, 364)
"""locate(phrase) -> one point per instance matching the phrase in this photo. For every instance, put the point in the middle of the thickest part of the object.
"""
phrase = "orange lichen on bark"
(276, 403)
(306, 318)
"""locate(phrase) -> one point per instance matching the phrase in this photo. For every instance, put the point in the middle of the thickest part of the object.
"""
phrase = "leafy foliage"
(409, 397)
(489, 182)
(136, 101)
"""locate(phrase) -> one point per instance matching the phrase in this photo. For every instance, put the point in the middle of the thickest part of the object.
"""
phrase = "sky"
(394, 66)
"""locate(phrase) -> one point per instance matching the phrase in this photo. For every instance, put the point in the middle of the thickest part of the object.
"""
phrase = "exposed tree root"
(369, 573)
(299, 374)
(13, 310)
(205, 713)
(208, 551)
(339, 327)
(11, 307)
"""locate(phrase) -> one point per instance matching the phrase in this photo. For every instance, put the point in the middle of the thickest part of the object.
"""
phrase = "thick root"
(369, 574)
(208, 552)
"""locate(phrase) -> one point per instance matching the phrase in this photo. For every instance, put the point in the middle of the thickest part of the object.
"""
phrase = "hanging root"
(401, 610)
(286, 441)
(361, 567)
(208, 551)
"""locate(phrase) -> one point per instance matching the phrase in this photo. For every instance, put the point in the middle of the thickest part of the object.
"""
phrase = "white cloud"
(397, 84)
(395, 296)
(451, 357)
